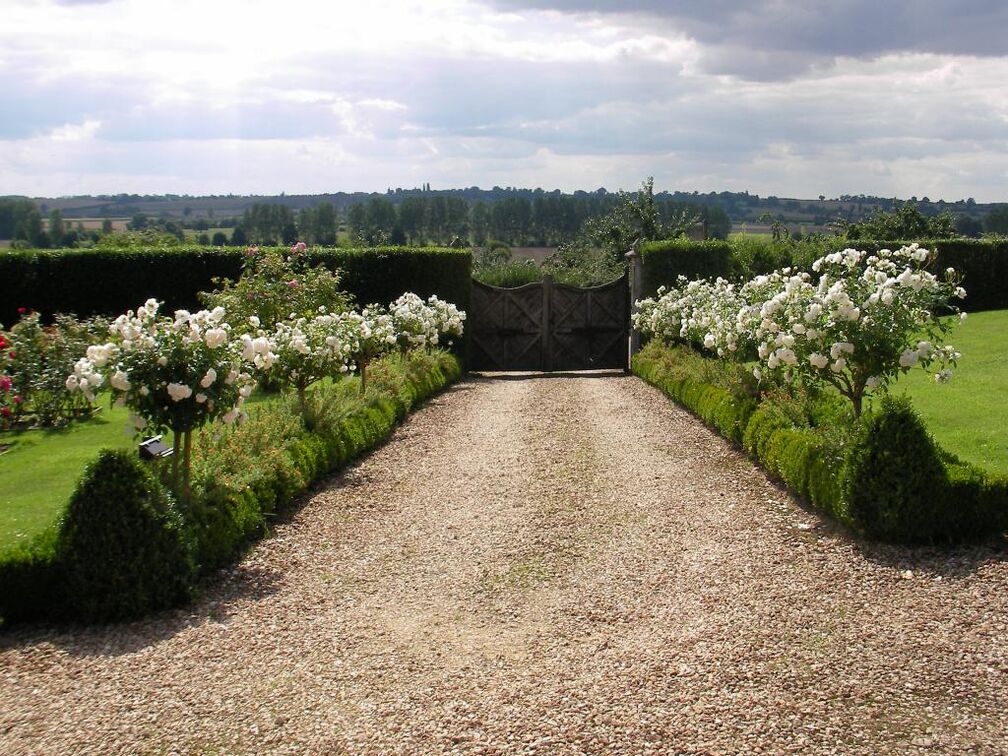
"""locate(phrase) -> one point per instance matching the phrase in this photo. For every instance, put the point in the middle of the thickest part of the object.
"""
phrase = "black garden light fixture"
(154, 448)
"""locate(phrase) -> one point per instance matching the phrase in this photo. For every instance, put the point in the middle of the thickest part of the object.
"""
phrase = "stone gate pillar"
(636, 276)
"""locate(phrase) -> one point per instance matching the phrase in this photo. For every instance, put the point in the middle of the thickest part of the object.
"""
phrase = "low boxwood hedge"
(887, 479)
(158, 551)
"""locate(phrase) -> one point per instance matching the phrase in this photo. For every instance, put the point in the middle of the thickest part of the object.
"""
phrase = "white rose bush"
(174, 374)
(304, 351)
(867, 318)
(179, 373)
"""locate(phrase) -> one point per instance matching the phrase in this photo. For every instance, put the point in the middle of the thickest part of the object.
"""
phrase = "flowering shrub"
(422, 325)
(366, 336)
(274, 287)
(307, 350)
(34, 362)
(174, 373)
(855, 328)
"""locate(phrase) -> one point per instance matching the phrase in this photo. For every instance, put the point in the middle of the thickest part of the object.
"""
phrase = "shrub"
(894, 477)
(29, 579)
(123, 549)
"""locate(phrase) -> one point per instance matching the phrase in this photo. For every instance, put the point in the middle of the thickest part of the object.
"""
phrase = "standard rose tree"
(866, 318)
(175, 374)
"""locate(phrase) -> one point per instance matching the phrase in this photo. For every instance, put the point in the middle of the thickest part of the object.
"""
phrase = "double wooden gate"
(548, 326)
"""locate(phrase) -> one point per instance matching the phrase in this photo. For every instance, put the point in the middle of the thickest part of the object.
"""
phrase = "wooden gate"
(548, 326)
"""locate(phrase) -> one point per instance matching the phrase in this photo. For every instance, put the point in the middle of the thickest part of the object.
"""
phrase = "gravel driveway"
(551, 565)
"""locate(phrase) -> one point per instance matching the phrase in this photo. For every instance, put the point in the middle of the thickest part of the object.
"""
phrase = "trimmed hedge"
(889, 481)
(225, 519)
(109, 282)
(124, 549)
(983, 263)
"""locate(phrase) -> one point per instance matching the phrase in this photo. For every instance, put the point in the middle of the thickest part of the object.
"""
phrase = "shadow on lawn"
(222, 595)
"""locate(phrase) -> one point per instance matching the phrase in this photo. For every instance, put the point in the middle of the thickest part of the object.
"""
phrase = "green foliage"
(996, 221)
(244, 476)
(983, 263)
(905, 221)
(108, 282)
(123, 549)
(636, 219)
(882, 476)
(37, 361)
(275, 285)
(893, 476)
(30, 579)
(665, 261)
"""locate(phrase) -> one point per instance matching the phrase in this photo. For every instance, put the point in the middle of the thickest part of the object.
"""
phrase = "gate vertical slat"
(547, 340)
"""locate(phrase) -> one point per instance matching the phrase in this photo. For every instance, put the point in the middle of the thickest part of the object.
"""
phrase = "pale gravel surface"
(555, 565)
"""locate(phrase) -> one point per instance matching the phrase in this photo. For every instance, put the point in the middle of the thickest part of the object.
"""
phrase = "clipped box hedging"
(217, 528)
(983, 263)
(108, 282)
(889, 481)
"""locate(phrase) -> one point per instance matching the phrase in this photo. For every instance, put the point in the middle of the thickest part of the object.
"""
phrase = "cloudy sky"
(785, 97)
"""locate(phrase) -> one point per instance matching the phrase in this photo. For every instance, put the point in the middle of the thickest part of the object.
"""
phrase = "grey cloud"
(779, 38)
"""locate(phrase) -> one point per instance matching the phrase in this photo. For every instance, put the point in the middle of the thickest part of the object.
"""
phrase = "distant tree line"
(545, 220)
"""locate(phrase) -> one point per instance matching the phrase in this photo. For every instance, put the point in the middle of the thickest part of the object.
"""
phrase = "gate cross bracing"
(548, 326)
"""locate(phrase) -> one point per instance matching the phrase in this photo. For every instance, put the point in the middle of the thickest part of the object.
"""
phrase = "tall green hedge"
(983, 262)
(108, 282)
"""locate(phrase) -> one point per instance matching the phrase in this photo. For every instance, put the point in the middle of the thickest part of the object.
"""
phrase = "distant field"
(118, 224)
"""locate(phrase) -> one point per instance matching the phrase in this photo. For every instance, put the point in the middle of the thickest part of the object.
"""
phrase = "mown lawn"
(40, 468)
(969, 415)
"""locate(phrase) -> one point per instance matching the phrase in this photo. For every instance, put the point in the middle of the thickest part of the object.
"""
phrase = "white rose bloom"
(839, 365)
(231, 415)
(215, 337)
(201, 398)
(709, 341)
(908, 358)
(120, 381)
(209, 378)
(179, 391)
(162, 361)
(253, 321)
(818, 360)
(144, 391)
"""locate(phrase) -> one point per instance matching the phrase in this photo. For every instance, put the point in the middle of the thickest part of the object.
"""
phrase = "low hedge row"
(108, 282)
(123, 548)
(886, 480)
(983, 262)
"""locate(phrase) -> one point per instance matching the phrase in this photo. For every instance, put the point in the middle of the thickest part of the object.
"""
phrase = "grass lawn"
(40, 468)
(968, 415)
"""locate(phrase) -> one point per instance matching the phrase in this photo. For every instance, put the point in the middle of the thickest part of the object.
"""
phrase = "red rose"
(5, 411)
(11, 354)
(18, 399)
(21, 311)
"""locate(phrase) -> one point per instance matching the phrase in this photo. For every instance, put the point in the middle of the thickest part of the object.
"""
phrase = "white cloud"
(313, 96)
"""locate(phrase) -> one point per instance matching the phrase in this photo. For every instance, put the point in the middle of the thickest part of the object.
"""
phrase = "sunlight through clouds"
(230, 96)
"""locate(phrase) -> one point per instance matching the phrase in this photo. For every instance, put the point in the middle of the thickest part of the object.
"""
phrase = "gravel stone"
(562, 564)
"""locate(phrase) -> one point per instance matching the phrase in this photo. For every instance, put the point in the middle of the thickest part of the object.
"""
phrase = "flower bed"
(242, 479)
